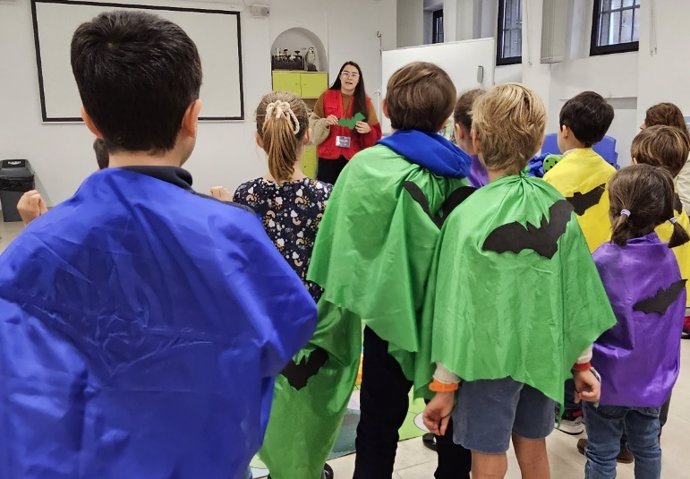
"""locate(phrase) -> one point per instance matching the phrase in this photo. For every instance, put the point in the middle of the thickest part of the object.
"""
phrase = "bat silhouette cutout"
(454, 199)
(298, 374)
(583, 201)
(663, 298)
(351, 122)
(543, 240)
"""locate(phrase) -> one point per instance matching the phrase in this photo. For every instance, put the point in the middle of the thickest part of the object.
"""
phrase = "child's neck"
(496, 174)
(572, 145)
(297, 174)
(143, 158)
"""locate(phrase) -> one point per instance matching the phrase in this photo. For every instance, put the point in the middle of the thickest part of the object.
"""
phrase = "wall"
(410, 23)
(664, 55)
(225, 154)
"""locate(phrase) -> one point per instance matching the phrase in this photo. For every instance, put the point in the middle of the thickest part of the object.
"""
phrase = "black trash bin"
(16, 177)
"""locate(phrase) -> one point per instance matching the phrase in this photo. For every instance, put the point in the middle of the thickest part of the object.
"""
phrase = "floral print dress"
(291, 214)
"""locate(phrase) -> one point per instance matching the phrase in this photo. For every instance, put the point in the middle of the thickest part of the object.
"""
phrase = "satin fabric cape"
(305, 419)
(682, 252)
(375, 243)
(141, 326)
(492, 315)
(581, 171)
(639, 357)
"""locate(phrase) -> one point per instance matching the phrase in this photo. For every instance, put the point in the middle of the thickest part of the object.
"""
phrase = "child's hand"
(437, 413)
(30, 206)
(220, 193)
(587, 386)
(331, 120)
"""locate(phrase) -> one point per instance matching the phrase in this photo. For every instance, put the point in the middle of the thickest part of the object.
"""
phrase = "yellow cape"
(581, 171)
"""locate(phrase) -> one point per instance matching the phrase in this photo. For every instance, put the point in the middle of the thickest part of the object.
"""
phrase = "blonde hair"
(509, 122)
(663, 146)
(281, 122)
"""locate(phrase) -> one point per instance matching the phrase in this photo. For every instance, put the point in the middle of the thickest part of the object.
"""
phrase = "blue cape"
(141, 327)
(431, 151)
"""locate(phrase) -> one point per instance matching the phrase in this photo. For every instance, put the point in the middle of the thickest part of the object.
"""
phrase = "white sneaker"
(571, 426)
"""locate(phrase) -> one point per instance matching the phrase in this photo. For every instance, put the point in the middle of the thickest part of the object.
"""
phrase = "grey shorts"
(488, 412)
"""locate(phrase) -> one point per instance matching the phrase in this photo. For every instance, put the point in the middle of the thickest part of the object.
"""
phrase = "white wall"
(225, 154)
(410, 23)
(664, 56)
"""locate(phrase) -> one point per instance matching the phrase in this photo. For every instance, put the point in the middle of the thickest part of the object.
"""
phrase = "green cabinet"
(306, 85)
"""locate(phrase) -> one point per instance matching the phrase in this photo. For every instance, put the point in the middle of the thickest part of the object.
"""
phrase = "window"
(615, 26)
(437, 26)
(509, 32)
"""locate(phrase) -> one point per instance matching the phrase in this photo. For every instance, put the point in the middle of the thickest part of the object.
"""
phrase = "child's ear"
(634, 160)
(307, 137)
(476, 144)
(459, 132)
(190, 120)
(384, 108)
(90, 124)
(259, 142)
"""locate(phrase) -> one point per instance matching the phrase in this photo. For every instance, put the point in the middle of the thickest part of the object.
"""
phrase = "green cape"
(493, 314)
(304, 422)
(375, 245)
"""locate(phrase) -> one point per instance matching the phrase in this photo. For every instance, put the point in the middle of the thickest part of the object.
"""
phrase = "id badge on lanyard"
(342, 141)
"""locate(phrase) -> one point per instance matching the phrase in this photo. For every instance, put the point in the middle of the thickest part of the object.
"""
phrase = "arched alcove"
(294, 39)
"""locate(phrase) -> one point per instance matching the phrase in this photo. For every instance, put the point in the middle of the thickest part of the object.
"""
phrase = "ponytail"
(282, 123)
(680, 235)
(622, 228)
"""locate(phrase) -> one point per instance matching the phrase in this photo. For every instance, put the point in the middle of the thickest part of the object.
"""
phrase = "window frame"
(595, 49)
(500, 59)
(435, 36)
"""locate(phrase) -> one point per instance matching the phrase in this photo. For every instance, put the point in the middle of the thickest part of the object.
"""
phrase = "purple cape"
(638, 358)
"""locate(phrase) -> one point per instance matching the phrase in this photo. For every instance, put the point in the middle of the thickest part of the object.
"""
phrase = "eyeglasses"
(350, 74)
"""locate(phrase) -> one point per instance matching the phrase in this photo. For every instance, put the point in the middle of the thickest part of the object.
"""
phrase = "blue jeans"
(605, 426)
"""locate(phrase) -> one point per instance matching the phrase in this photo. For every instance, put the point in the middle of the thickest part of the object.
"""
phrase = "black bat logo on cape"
(583, 201)
(663, 298)
(454, 199)
(543, 240)
(298, 374)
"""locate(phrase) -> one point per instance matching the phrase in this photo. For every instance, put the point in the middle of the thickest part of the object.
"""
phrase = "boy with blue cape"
(373, 251)
(141, 324)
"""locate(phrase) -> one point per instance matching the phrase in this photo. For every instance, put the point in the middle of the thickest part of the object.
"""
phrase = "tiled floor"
(414, 461)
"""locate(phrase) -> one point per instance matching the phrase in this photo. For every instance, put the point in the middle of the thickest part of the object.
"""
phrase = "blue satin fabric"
(431, 151)
(141, 327)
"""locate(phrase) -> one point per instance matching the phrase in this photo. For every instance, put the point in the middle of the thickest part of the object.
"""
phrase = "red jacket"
(333, 105)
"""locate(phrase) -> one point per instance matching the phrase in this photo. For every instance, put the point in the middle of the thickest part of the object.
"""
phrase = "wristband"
(439, 387)
(582, 366)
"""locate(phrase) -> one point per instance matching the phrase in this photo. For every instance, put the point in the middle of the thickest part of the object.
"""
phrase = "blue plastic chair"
(606, 148)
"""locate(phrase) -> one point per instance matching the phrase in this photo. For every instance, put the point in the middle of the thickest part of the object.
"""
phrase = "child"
(638, 358)
(581, 176)
(670, 115)
(463, 124)
(516, 298)
(291, 206)
(31, 204)
(373, 252)
(141, 324)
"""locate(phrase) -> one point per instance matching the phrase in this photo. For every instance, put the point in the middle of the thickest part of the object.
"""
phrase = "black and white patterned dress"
(291, 214)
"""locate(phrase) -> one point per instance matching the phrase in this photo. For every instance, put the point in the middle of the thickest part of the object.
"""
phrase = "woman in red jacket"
(344, 122)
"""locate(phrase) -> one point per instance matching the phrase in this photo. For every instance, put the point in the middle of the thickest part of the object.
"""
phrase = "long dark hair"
(360, 96)
(646, 192)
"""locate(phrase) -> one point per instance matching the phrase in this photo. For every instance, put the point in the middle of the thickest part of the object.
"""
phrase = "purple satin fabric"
(478, 176)
(639, 357)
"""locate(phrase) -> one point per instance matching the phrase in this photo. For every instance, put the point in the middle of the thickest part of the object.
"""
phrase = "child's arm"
(587, 386)
(437, 412)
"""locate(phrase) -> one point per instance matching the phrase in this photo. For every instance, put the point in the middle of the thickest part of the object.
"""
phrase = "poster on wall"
(215, 32)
